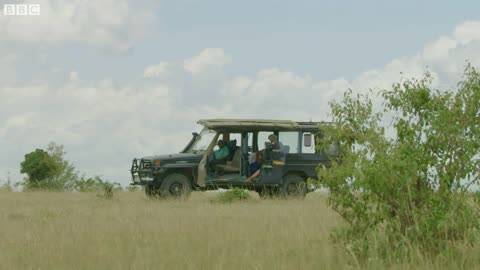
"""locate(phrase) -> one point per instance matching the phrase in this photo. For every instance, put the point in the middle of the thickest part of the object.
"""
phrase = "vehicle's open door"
(202, 168)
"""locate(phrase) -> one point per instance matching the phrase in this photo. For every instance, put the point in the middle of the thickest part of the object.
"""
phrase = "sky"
(112, 80)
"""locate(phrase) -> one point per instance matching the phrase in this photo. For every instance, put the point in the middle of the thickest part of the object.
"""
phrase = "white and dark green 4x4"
(176, 175)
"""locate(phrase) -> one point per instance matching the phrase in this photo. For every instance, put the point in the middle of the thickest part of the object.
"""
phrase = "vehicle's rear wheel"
(294, 187)
(266, 193)
(176, 186)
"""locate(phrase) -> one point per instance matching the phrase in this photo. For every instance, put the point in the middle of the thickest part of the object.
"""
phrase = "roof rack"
(259, 125)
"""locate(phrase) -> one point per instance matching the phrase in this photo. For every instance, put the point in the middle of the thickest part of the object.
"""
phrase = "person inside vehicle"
(277, 148)
(278, 155)
(255, 167)
(219, 156)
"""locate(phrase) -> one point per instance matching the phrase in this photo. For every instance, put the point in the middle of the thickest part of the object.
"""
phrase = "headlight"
(136, 178)
(156, 163)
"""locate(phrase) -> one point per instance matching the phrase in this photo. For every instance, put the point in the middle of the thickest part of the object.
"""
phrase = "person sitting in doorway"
(219, 156)
(255, 167)
(222, 152)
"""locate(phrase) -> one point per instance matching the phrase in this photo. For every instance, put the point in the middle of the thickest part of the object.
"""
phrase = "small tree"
(67, 177)
(49, 170)
(39, 166)
(411, 187)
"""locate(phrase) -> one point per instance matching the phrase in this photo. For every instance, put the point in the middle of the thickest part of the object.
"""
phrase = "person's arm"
(257, 173)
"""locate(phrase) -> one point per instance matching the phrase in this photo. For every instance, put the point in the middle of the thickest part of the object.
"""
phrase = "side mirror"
(307, 139)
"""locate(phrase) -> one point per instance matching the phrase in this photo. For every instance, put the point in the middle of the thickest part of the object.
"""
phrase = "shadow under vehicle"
(176, 175)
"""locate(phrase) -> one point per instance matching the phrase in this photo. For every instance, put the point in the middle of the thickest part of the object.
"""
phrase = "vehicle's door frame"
(244, 165)
(202, 168)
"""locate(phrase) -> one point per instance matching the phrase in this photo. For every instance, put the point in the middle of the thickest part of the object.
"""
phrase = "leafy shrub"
(107, 191)
(6, 186)
(94, 184)
(408, 189)
(40, 167)
(233, 195)
(132, 188)
(48, 170)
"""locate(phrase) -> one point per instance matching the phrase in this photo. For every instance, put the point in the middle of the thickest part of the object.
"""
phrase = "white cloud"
(7, 64)
(12, 94)
(237, 86)
(439, 49)
(73, 76)
(467, 32)
(209, 58)
(113, 24)
(156, 71)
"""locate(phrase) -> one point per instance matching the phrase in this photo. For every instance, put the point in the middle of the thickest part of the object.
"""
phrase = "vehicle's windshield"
(202, 141)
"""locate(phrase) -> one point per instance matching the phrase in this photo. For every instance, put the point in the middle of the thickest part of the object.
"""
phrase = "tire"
(266, 193)
(176, 186)
(152, 190)
(294, 187)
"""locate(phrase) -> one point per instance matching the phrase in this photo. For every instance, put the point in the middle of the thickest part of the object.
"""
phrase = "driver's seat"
(234, 165)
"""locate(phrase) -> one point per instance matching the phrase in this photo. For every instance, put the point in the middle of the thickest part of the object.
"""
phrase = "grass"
(82, 231)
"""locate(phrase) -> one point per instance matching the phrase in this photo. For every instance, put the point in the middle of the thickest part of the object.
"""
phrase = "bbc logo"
(21, 10)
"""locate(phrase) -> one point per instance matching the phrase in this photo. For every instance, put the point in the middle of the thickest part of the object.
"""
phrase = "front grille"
(142, 164)
(142, 169)
(145, 164)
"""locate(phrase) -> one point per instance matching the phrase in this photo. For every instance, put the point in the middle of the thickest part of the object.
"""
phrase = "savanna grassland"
(82, 231)
(41, 230)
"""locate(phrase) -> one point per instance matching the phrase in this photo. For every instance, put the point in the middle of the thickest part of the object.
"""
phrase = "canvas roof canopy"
(258, 125)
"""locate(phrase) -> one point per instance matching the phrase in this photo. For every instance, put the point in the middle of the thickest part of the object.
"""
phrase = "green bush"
(233, 195)
(40, 167)
(404, 187)
(94, 184)
(6, 186)
(106, 191)
(131, 188)
(50, 171)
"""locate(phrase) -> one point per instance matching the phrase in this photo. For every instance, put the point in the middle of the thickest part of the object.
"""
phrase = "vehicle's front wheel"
(152, 190)
(176, 186)
(294, 187)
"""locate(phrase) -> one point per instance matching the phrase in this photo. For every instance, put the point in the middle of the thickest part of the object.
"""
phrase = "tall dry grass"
(83, 231)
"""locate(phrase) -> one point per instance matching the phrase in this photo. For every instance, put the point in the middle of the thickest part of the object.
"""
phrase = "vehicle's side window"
(250, 141)
(237, 137)
(262, 139)
(228, 137)
(308, 143)
(289, 139)
(203, 140)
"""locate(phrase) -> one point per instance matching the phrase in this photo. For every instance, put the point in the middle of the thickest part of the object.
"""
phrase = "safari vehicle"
(176, 175)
